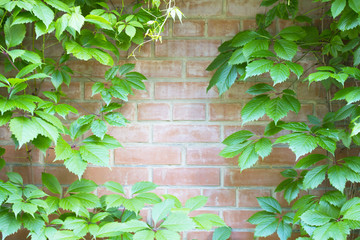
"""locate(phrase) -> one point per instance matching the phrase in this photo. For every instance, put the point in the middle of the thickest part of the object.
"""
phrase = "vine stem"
(28, 155)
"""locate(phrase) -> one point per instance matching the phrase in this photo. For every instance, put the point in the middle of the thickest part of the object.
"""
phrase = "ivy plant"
(39, 119)
(276, 60)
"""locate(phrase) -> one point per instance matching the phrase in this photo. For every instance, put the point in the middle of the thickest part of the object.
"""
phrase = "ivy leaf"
(243, 38)
(166, 234)
(14, 34)
(355, 5)
(285, 49)
(9, 224)
(284, 230)
(44, 13)
(258, 67)
(219, 61)
(179, 222)
(222, 233)
(269, 204)
(260, 88)
(337, 7)
(224, 77)
(315, 218)
(334, 230)
(266, 227)
(319, 76)
(255, 108)
(279, 73)
(47, 129)
(309, 160)
(248, 157)
(161, 210)
(82, 186)
(293, 33)
(337, 177)
(255, 46)
(101, 56)
(62, 150)
(276, 109)
(315, 177)
(75, 164)
(300, 143)
(297, 69)
(115, 119)
(99, 128)
(95, 154)
(141, 187)
(51, 183)
(144, 235)
(291, 103)
(237, 57)
(24, 129)
(59, 5)
(263, 147)
(238, 137)
(196, 202)
(108, 141)
(76, 20)
(114, 187)
(130, 31)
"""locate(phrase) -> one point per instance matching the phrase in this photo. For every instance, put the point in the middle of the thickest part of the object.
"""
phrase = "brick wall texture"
(176, 128)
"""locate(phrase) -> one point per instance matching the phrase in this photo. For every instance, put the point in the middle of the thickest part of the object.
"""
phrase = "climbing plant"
(38, 119)
(329, 43)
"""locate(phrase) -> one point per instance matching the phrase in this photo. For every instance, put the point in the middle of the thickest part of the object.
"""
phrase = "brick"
(250, 24)
(247, 197)
(183, 194)
(189, 111)
(253, 177)
(148, 155)
(256, 129)
(187, 48)
(159, 68)
(223, 27)
(207, 156)
(72, 92)
(306, 109)
(5, 133)
(187, 176)
(200, 7)
(313, 92)
(153, 111)
(225, 112)
(122, 175)
(61, 173)
(241, 235)
(186, 133)
(279, 156)
(204, 235)
(189, 28)
(244, 8)
(15, 155)
(238, 91)
(197, 69)
(321, 110)
(220, 197)
(140, 52)
(128, 110)
(238, 218)
(84, 108)
(87, 68)
(131, 133)
(21, 234)
(184, 90)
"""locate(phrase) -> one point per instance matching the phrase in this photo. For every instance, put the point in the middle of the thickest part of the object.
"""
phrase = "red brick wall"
(176, 127)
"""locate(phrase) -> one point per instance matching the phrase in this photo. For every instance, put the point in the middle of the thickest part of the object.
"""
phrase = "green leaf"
(51, 119)
(15, 178)
(108, 141)
(223, 78)
(75, 164)
(14, 34)
(255, 46)
(233, 150)
(309, 160)
(101, 56)
(24, 129)
(161, 210)
(207, 221)
(263, 147)
(44, 13)
(82, 186)
(352, 213)
(166, 235)
(179, 222)
(219, 60)
(300, 143)
(237, 57)
(51, 183)
(114, 187)
(87, 200)
(99, 128)
(260, 217)
(95, 154)
(269, 204)
(291, 103)
(221, 233)
(285, 49)
(115, 119)
(47, 129)
(319, 76)
(315, 177)
(62, 150)
(276, 109)
(355, 5)
(284, 230)
(255, 108)
(266, 228)
(315, 218)
(337, 177)
(76, 20)
(144, 235)
(196, 202)
(23, 18)
(248, 157)
(141, 187)
(5, 118)
(337, 7)
(260, 88)
(59, 5)
(279, 73)
(297, 69)
(243, 38)
(130, 31)
(258, 67)
(293, 33)
(9, 224)
(334, 230)
(238, 137)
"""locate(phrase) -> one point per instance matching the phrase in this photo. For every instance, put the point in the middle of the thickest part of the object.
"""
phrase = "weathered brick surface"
(174, 138)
